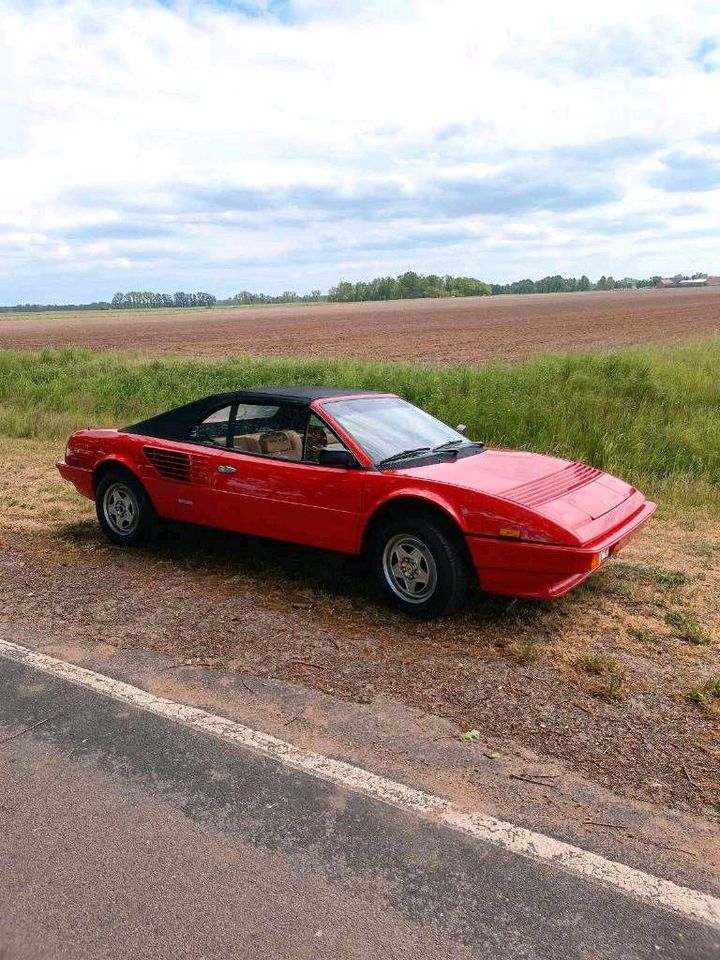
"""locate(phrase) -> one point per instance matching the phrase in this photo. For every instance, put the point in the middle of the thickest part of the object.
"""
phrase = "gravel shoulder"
(598, 681)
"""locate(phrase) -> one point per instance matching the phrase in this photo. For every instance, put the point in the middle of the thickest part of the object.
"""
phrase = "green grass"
(607, 673)
(597, 664)
(710, 690)
(686, 626)
(661, 577)
(648, 414)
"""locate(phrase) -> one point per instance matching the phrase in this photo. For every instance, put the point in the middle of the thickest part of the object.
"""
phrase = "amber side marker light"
(512, 532)
(597, 558)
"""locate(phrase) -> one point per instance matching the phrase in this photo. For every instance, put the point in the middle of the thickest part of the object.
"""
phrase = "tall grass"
(646, 413)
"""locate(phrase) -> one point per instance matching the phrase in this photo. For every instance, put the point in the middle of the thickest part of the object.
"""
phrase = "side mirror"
(336, 458)
(461, 428)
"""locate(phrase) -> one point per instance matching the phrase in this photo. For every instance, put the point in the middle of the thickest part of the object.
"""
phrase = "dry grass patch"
(32, 493)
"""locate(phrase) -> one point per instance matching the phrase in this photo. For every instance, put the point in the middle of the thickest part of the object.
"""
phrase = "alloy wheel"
(409, 568)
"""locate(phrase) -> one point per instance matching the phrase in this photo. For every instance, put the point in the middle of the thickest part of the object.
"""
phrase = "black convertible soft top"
(176, 424)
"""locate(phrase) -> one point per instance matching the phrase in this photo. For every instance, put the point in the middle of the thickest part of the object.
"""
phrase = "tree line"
(145, 298)
(50, 307)
(246, 299)
(406, 286)
(558, 284)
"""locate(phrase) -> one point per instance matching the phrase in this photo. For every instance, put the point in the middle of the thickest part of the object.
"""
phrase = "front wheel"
(421, 566)
(124, 510)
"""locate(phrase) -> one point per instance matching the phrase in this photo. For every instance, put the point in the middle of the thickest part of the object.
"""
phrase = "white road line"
(665, 894)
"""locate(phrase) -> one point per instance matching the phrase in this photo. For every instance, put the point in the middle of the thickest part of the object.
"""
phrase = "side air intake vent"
(176, 465)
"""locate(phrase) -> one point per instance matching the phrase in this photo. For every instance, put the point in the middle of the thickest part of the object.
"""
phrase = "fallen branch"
(663, 846)
(247, 686)
(309, 663)
(541, 776)
(539, 783)
(194, 663)
(293, 719)
(599, 823)
(690, 779)
(587, 710)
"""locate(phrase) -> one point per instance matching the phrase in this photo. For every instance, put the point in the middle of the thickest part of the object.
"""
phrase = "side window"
(319, 436)
(213, 429)
(275, 430)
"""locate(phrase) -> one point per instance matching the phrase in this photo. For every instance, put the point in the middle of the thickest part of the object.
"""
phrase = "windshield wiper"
(402, 455)
(449, 444)
(453, 446)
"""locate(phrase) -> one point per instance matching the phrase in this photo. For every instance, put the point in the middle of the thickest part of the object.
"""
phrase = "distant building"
(665, 282)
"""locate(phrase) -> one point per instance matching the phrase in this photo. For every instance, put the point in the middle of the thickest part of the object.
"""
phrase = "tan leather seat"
(282, 443)
(247, 443)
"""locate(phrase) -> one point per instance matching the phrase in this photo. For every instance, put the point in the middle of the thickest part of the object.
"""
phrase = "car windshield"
(385, 427)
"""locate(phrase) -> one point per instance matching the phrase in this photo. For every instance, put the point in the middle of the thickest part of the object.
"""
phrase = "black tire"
(124, 510)
(439, 558)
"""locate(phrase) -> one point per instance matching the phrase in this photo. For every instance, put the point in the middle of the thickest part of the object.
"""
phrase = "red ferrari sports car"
(363, 473)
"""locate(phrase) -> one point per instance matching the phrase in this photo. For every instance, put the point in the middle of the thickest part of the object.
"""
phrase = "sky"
(286, 144)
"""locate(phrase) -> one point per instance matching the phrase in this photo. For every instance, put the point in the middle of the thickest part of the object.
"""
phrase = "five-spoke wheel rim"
(409, 568)
(121, 509)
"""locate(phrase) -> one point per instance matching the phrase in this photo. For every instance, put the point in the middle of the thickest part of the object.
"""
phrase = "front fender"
(433, 497)
(409, 496)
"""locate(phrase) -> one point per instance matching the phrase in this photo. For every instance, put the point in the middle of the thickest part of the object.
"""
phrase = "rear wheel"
(123, 509)
(421, 566)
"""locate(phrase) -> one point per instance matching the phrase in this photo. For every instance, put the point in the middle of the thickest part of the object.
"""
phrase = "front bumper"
(81, 478)
(544, 571)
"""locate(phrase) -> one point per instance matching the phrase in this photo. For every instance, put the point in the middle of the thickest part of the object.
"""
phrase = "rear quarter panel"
(95, 450)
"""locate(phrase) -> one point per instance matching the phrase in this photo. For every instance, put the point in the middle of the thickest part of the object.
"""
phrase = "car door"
(269, 482)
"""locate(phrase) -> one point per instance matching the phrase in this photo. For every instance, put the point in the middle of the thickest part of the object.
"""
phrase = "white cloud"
(284, 143)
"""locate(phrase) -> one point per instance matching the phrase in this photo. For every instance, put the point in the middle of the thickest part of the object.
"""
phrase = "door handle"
(226, 468)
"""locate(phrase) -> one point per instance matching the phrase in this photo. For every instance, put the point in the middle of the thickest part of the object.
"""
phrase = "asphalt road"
(123, 834)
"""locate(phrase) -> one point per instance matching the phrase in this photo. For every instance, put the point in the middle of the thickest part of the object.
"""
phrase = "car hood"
(570, 494)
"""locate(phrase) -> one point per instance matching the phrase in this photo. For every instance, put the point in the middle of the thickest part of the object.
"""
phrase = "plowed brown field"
(445, 331)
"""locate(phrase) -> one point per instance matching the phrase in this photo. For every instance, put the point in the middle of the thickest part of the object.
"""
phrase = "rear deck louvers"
(176, 465)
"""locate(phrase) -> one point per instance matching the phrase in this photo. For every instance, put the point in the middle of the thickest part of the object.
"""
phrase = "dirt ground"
(446, 331)
(599, 680)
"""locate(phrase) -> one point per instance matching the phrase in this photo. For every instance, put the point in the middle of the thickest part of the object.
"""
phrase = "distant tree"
(342, 292)
(410, 285)
(386, 288)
